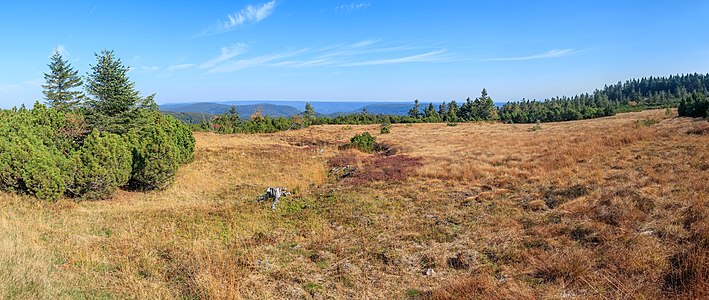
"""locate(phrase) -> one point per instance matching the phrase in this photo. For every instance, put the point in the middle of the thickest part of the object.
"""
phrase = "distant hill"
(399, 109)
(266, 109)
(289, 108)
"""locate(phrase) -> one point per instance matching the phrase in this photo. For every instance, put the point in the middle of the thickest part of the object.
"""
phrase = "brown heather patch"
(385, 168)
(342, 161)
(594, 209)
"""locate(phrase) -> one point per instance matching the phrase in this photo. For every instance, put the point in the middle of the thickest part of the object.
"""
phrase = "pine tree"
(442, 111)
(415, 112)
(309, 111)
(430, 114)
(114, 100)
(486, 107)
(453, 112)
(62, 80)
(233, 112)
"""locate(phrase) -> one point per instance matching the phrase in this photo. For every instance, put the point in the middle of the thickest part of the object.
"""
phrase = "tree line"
(92, 136)
(632, 95)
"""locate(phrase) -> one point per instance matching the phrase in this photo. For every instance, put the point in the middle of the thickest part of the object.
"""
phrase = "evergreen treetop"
(112, 93)
(61, 83)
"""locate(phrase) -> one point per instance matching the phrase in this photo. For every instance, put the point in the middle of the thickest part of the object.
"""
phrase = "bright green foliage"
(30, 160)
(365, 142)
(181, 136)
(61, 83)
(156, 159)
(159, 147)
(29, 167)
(386, 128)
(113, 99)
(103, 164)
(47, 152)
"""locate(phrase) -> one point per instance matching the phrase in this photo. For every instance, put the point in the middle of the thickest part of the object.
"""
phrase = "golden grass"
(605, 208)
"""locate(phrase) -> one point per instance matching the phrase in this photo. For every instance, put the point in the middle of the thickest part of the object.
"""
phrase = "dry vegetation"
(609, 208)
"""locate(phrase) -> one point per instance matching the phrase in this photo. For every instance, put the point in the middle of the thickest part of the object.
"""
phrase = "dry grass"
(603, 208)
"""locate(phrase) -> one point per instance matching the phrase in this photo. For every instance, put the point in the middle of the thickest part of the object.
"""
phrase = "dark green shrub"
(365, 142)
(30, 162)
(27, 166)
(386, 128)
(156, 158)
(181, 136)
(103, 164)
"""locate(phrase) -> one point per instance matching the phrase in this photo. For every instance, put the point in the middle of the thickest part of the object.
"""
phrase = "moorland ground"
(614, 207)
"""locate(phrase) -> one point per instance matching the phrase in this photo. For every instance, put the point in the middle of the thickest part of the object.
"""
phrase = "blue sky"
(355, 50)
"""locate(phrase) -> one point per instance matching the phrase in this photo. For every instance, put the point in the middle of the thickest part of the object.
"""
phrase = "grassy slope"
(600, 208)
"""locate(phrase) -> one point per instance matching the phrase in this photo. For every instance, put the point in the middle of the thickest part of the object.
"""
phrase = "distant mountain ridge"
(247, 110)
(290, 108)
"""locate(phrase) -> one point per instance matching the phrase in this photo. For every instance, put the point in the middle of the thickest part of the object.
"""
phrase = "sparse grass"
(587, 209)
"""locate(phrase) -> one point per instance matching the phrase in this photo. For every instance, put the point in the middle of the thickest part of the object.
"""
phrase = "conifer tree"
(415, 112)
(486, 107)
(430, 114)
(309, 111)
(453, 112)
(61, 83)
(113, 99)
(442, 111)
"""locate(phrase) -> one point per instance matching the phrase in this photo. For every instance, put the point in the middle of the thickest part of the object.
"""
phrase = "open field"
(615, 207)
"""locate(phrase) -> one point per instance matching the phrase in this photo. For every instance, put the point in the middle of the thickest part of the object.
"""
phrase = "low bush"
(365, 142)
(386, 128)
(156, 157)
(103, 164)
(47, 153)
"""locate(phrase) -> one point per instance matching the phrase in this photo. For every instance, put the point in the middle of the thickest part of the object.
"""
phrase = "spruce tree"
(61, 83)
(309, 111)
(430, 114)
(113, 100)
(487, 109)
(415, 112)
(442, 111)
(453, 112)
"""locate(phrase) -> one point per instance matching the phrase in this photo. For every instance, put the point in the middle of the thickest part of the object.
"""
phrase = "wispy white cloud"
(364, 43)
(431, 56)
(362, 53)
(304, 63)
(259, 61)
(227, 53)
(248, 14)
(21, 86)
(549, 54)
(150, 68)
(179, 67)
(10, 88)
(352, 7)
